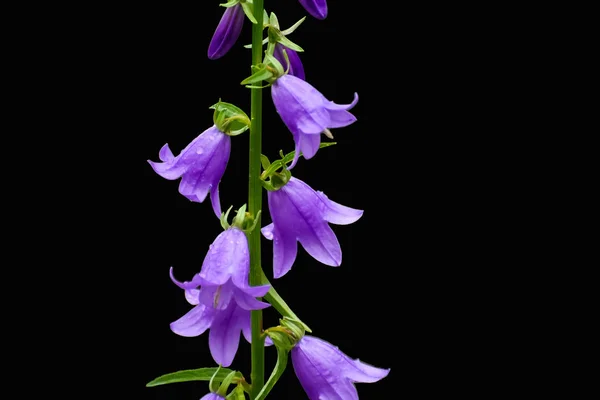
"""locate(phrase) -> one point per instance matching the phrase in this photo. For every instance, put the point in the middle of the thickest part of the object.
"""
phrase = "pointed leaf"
(200, 374)
(248, 11)
(293, 27)
(261, 75)
(282, 358)
(237, 394)
(289, 44)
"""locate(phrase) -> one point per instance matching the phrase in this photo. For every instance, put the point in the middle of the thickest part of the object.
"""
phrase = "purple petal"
(227, 32)
(195, 322)
(247, 302)
(200, 164)
(255, 291)
(247, 331)
(267, 231)
(340, 119)
(191, 293)
(285, 248)
(217, 297)
(300, 105)
(224, 336)
(212, 396)
(338, 214)
(227, 258)
(316, 8)
(296, 67)
(312, 230)
(215, 200)
(309, 144)
(331, 356)
(296, 149)
(330, 105)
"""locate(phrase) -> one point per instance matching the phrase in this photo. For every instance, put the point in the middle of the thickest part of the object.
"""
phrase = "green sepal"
(273, 21)
(212, 384)
(236, 394)
(200, 374)
(224, 217)
(282, 360)
(229, 118)
(262, 73)
(249, 46)
(274, 63)
(264, 160)
(265, 19)
(247, 7)
(293, 27)
(288, 43)
(290, 156)
(230, 3)
(250, 222)
(238, 220)
(295, 326)
(222, 391)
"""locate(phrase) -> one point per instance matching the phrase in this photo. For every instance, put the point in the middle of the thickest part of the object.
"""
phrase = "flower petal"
(340, 119)
(227, 258)
(312, 230)
(330, 105)
(215, 200)
(212, 396)
(227, 32)
(191, 293)
(247, 331)
(217, 297)
(309, 144)
(336, 213)
(300, 105)
(195, 322)
(316, 8)
(224, 336)
(267, 231)
(296, 67)
(247, 302)
(285, 246)
(165, 154)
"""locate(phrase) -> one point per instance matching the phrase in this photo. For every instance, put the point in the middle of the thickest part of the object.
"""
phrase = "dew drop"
(200, 150)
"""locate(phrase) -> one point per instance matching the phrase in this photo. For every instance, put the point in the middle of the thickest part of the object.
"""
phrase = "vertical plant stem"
(257, 374)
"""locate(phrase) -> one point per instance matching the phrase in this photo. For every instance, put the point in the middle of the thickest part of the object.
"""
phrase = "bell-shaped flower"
(307, 113)
(227, 32)
(200, 165)
(316, 8)
(326, 373)
(225, 299)
(213, 396)
(299, 213)
(296, 67)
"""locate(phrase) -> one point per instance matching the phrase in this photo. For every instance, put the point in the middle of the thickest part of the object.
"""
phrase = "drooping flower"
(307, 113)
(299, 213)
(212, 396)
(326, 373)
(227, 32)
(316, 8)
(200, 165)
(296, 67)
(224, 300)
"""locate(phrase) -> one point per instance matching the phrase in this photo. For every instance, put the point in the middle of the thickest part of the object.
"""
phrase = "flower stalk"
(255, 205)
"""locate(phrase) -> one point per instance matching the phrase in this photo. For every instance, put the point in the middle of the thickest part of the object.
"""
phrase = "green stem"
(257, 374)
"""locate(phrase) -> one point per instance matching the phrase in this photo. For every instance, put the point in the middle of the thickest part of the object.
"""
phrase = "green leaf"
(237, 394)
(200, 374)
(282, 358)
(261, 75)
(248, 11)
(293, 27)
(290, 156)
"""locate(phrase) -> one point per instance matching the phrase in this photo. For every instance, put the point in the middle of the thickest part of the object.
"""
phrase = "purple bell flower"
(326, 373)
(224, 301)
(296, 67)
(316, 8)
(212, 396)
(307, 113)
(227, 32)
(200, 165)
(301, 214)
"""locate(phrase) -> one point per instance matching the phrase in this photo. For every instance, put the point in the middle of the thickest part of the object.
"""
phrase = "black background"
(399, 298)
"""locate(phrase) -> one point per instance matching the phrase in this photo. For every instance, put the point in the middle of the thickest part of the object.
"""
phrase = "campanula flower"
(326, 373)
(200, 165)
(316, 8)
(299, 213)
(213, 396)
(224, 299)
(307, 113)
(296, 67)
(227, 32)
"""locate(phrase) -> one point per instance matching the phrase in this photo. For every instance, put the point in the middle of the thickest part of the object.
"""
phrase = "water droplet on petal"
(200, 150)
